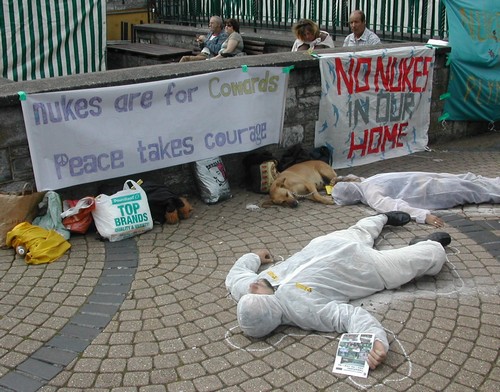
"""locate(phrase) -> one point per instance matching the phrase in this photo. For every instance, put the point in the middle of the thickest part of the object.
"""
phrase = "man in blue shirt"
(209, 44)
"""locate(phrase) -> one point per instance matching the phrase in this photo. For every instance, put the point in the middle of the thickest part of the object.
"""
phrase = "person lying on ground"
(312, 288)
(417, 193)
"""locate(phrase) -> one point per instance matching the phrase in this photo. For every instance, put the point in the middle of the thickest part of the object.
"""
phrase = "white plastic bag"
(212, 180)
(124, 214)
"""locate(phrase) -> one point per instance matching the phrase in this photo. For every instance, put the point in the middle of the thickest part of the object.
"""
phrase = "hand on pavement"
(377, 355)
(265, 256)
(433, 220)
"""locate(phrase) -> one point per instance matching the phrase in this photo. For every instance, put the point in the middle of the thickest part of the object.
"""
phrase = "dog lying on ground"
(302, 181)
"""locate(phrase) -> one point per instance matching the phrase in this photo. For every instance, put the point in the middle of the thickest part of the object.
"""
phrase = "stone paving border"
(118, 273)
(479, 231)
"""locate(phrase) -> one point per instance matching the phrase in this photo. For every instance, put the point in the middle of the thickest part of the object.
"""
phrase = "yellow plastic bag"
(42, 245)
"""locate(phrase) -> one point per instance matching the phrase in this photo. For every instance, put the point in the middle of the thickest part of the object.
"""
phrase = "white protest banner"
(89, 135)
(374, 104)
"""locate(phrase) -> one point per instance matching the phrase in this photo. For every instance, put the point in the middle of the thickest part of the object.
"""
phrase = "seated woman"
(233, 45)
(309, 36)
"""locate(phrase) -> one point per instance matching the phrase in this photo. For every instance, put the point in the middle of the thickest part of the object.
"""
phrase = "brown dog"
(302, 181)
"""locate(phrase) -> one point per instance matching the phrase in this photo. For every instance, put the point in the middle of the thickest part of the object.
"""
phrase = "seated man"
(211, 44)
(312, 288)
(360, 35)
(417, 192)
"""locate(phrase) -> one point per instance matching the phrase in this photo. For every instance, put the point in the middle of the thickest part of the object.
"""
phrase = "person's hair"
(302, 26)
(234, 23)
(360, 13)
(219, 20)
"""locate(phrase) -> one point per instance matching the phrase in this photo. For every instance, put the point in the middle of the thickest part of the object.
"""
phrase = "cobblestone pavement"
(152, 314)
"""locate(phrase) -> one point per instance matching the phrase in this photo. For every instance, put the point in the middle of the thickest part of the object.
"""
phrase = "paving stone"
(115, 280)
(116, 289)
(40, 369)
(69, 343)
(112, 272)
(100, 309)
(106, 299)
(91, 320)
(19, 382)
(119, 262)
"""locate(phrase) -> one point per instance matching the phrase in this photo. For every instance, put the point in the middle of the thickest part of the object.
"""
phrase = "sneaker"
(443, 238)
(397, 218)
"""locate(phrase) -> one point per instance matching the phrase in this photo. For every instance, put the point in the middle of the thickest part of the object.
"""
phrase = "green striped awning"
(46, 38)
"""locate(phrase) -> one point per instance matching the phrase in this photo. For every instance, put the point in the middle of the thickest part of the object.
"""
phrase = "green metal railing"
(392, 20)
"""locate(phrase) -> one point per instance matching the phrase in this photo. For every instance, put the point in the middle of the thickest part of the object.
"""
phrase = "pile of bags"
(38, 225)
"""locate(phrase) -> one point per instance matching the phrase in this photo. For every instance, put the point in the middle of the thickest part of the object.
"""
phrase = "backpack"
(260, 171)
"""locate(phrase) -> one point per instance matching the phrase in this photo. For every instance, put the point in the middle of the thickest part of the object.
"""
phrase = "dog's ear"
(280, 182)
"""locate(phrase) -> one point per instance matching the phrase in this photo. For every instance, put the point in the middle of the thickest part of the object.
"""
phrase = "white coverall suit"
(417, 192)
(315, 285)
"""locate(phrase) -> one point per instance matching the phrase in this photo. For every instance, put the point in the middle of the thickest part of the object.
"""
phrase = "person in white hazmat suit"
(417, 193)
(312, 288)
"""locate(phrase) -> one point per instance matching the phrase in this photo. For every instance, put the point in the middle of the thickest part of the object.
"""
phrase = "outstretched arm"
(382, 203)
(244, 272)
(377, 355)
(264, 256)
(347, 318)
(434, 220)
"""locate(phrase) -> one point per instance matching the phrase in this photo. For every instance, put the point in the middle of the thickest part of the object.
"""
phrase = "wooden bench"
(252, 47)
(127, 55)
(159, 52)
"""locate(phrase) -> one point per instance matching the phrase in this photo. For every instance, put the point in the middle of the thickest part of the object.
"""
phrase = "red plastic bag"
(78, 217)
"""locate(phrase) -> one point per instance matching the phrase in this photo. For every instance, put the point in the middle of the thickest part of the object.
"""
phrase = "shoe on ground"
(397, 218)
(443, 238)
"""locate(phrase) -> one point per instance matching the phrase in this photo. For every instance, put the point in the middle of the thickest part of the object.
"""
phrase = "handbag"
(123, 214)
(78, 217)
(17, 207)
(263, 175)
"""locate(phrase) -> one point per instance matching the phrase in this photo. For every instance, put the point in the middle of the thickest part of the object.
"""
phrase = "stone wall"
(300, 115)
